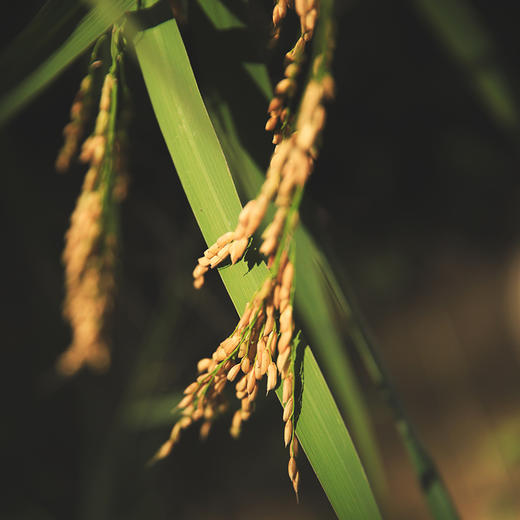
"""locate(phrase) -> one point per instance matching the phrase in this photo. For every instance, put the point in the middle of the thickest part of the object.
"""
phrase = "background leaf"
(463, 34)
(30, 66)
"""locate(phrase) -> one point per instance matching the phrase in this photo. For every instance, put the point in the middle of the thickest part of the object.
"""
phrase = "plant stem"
(438, 498)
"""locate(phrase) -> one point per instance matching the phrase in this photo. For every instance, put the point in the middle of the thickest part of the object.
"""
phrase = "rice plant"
(289, 301)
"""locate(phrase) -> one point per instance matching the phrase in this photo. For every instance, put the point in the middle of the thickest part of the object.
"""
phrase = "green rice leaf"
(206, 179)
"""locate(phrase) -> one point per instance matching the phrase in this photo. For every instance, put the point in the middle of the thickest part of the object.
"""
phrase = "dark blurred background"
(416, 200)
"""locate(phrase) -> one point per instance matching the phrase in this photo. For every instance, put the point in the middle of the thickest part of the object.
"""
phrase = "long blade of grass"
(458, 27)
(47, 46)
(204, 174)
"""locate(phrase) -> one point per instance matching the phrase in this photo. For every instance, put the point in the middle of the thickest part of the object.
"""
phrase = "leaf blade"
(171, 72)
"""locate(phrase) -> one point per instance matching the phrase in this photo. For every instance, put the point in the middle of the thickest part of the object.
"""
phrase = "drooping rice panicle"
(264, 342)
(91, 241)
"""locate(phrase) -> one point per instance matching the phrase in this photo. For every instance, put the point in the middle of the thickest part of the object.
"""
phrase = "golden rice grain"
(294, 448)
(185, 401)
(251, 381)
(203, 364)
(283, 361)
(292, 468)
(271, 376)
(286, 319)
(288, 409)
(296, 482)
(232, 374)
(287, 388)
(241, 384)
(246, 365)
(237, 249)
(287, 433)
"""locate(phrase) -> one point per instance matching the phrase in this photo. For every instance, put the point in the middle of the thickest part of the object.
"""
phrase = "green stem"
(437, 495)
(108, 174)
